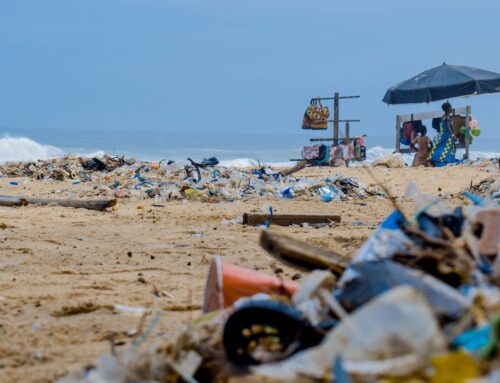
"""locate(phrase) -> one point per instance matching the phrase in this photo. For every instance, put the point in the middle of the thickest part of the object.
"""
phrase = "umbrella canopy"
(443, 82)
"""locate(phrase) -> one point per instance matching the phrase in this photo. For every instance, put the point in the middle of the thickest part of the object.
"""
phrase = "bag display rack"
(336, 139)
(336, 120)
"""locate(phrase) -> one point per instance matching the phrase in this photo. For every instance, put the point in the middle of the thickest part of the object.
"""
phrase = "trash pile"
(488, 187)
(64, 168)
(419, 302)
(205, 181)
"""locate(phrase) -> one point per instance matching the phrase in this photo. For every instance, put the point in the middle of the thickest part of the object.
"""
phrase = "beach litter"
(419, 302)
(489, 187)
(206, 181)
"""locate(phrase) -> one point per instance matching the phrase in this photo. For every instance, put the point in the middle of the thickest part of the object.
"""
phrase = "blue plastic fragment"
(270, 220)
(484, 265)
(472, 340)
(287, 193)
(326, 197)
(340, 375)
(393, 221)
(474, 198)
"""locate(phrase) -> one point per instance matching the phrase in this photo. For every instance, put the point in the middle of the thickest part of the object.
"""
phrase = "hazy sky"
(230, 65)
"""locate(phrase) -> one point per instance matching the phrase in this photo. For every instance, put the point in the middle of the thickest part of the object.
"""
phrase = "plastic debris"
(392, 335)
(206, 181)
(456, 367)
(482, 341)
(226, 283)
(267, 331)
(364, 281)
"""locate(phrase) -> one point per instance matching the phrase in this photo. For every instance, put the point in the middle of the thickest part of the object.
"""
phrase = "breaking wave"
(25, 149)
(251, 163)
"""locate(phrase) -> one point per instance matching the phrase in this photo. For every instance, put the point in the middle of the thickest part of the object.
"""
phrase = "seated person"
(409, 132)
(424, 146)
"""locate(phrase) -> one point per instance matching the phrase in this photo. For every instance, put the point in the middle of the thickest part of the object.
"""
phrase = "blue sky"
(230, 65)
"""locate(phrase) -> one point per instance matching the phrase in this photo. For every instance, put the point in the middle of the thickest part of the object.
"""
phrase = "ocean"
(231, 148)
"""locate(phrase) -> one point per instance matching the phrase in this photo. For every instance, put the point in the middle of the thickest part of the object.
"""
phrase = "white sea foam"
(251, 163)
(25, 149)
(240, 163)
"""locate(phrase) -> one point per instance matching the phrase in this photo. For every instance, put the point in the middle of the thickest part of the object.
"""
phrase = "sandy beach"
(63, 270)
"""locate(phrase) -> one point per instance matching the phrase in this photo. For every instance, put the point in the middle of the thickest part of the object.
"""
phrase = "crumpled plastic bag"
(363, 281)
(393, 335)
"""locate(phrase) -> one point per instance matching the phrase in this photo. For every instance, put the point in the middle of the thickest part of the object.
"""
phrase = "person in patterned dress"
(443, 151)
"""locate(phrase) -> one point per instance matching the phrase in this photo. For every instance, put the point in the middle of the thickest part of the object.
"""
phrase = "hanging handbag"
(307, 120)
(318, 114)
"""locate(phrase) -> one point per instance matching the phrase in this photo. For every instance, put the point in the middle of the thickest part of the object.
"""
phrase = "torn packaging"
(393, 335)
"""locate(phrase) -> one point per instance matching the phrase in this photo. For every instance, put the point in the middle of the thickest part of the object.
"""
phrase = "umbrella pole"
(467, 134)
(398, 136)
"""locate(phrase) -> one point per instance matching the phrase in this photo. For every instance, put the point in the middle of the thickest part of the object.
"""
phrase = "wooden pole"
(335, 118)
(467, 134)
(300, 254)
(331, 139)
(347, 135)
(301, 165)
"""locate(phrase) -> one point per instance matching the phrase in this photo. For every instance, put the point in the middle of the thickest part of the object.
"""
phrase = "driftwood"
(288, 219)
(301, 165)
(300, 254)
(99, 204)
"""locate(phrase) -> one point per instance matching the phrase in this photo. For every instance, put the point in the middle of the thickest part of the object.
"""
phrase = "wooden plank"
(336, 116)
(301, 255)
(332, 139)
(346, 120)
(406, 150)
(100, 204)
(254, 219)
(427, 115)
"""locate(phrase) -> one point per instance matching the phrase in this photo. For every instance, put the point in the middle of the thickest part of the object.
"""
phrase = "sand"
(62, 270)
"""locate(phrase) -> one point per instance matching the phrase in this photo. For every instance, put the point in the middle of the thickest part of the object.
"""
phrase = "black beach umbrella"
(443, 82)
